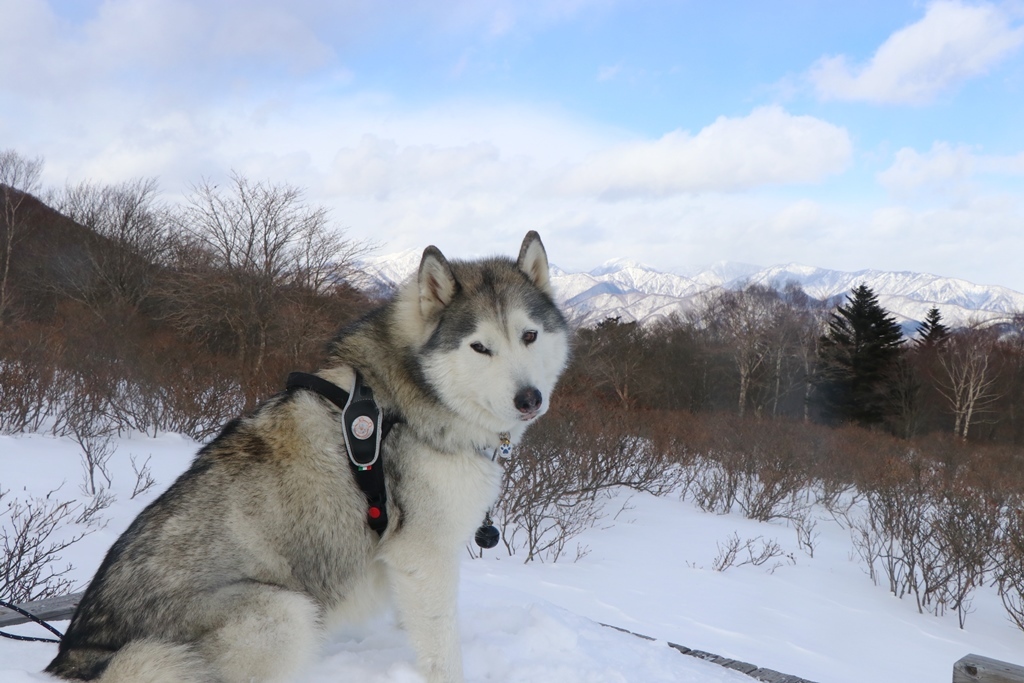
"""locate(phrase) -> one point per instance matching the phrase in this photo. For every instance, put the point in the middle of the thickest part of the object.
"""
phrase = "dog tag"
(505, 448)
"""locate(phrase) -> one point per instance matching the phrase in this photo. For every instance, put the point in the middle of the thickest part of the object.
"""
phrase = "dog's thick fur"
(233, 574)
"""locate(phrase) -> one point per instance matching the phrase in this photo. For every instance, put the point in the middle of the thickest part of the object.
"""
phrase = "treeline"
(780, 354)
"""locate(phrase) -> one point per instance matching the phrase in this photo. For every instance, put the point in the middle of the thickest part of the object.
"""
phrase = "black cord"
(29, 615)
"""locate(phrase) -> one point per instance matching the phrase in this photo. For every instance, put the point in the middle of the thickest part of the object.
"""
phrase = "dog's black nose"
(527, 400)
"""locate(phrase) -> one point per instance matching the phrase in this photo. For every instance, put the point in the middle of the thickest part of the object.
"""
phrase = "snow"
(648, 570)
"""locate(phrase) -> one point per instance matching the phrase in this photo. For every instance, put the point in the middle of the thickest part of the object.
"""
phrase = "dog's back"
(230, 537)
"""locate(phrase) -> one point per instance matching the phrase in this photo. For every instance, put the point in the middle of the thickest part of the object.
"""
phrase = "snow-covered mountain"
(634, 291)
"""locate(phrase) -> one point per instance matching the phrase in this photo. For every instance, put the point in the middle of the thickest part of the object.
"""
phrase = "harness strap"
(365, 428)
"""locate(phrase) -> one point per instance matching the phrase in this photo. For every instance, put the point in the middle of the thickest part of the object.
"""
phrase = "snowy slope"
(648, 570)
(633, 291)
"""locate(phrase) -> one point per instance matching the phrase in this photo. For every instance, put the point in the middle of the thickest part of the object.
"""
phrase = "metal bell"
(487, 536)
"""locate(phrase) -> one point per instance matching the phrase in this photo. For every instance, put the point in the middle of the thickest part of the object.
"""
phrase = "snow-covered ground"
(648, 570)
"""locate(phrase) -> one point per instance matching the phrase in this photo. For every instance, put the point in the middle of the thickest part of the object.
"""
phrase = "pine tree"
(931, 333)
(858, 357)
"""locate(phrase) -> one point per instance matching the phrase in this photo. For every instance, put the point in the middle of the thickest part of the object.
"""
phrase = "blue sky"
(844, 135)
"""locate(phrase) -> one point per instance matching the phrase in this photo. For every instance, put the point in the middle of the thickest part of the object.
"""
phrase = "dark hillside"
(51, 256)
(113, 321)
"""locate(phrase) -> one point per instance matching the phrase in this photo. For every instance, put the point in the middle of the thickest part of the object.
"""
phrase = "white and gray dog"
(233, 574)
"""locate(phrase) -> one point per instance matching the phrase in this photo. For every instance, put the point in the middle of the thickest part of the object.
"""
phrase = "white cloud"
(953, 42)
(156, 41)
(380, 168)
(802, 217)
(945, 168)
(767, 147)
(186, 49)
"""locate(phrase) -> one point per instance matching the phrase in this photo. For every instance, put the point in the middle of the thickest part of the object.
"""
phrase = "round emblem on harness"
(362, 427)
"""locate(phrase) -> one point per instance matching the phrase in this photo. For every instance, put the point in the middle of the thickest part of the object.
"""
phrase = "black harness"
(365, 427)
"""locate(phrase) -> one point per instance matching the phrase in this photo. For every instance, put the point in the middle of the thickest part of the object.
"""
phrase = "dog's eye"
(480, 348)
(529, 336)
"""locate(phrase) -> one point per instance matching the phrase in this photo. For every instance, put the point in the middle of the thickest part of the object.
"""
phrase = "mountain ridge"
(633, 291)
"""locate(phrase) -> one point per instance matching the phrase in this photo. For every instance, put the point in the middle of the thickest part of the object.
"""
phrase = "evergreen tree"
(858, 359)
(931, 333)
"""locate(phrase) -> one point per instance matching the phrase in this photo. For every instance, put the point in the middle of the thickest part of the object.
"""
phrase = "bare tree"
(242, 248)
(19, 176)
(745, 317)
(760, 332)
(614, 350)
(967, 378)
(133, 231)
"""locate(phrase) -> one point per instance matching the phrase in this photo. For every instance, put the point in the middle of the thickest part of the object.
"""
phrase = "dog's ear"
(437, 282)
(533, 261)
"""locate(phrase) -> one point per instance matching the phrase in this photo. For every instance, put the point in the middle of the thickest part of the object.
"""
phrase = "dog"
(236, 571)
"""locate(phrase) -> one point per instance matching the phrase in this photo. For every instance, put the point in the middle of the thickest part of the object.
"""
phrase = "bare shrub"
(541, 507)
(24, 394)
(1009, 567)
(31, 538)
(867, 543)
(967, 532)
(28, 372)
(96, 451)
(765, 496)
(92, 432)
(756, 466)
(197, 403)
(835, 497)
(90, 511)
(930, 537)
(753, 551)
(556, 483)
(900, 518)
(714, 485)
(807, 534)
(84, 407)
(144, 480)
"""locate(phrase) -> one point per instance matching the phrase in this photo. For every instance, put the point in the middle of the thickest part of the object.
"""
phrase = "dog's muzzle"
(528, 401)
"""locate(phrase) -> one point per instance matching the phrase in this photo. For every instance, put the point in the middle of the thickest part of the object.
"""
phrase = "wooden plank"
(773, 676)
(742, 667)
(47, 609)
(752, 670)
(978, 669)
